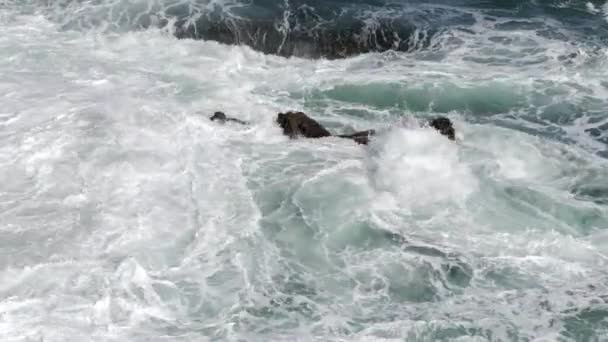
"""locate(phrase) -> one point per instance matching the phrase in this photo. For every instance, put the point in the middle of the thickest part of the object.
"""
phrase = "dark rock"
(308, 38)
(444, 126)
(299, 124)
(296, 124)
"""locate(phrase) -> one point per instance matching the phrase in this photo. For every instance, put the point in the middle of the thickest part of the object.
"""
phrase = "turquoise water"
(126, 215)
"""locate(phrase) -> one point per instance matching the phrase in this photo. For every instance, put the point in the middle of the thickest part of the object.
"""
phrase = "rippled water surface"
(126, 215)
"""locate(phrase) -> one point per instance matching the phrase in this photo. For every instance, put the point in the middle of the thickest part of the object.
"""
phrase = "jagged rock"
(444, 126)
(299, 124)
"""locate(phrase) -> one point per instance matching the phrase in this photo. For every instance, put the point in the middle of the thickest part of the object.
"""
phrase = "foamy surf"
(126, 215)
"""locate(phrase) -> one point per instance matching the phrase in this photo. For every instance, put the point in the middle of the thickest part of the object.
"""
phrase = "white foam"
(419, 167)
(591, 8)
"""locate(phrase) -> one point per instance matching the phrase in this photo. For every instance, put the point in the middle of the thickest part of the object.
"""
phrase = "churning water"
(126, 215)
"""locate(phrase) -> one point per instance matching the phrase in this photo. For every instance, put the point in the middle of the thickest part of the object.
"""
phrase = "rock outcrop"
(298, 124)
(308, 37)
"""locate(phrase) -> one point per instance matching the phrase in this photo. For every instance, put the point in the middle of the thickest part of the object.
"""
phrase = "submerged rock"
(322, 40)
(221, 117)
(359, 137)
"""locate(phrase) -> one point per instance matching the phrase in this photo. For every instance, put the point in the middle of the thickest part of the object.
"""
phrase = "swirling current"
(127, 215)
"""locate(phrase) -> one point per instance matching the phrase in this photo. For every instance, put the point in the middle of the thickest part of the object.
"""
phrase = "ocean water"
(126, 215)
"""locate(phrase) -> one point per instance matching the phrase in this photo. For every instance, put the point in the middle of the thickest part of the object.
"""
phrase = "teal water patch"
(587, 324)
(483, 99)
(561, 111)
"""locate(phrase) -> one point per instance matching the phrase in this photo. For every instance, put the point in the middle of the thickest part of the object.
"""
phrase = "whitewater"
(127, 215)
